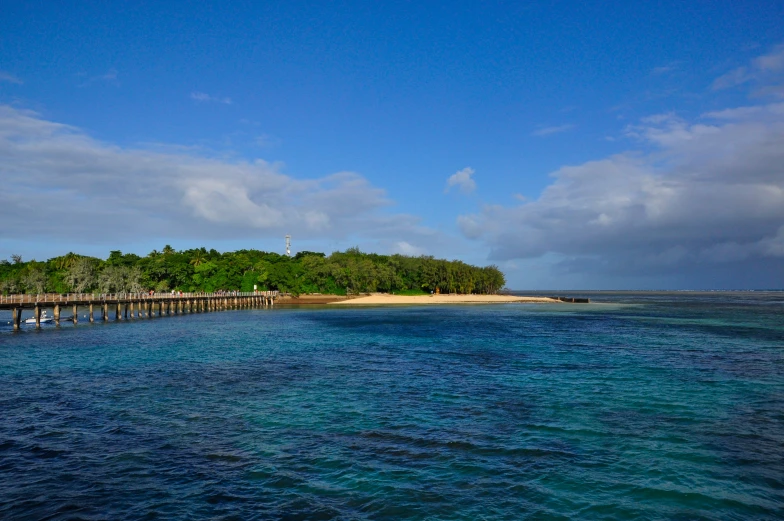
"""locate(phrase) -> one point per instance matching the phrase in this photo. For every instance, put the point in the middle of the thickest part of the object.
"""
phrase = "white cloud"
(656, 71)
(10, 78)
(762, 68)
(732, 78)
(655, 119)
(405, 248)
(472, 226)
(60, 183)
(773, 61)
(267, 141)
(203, 97)
(772, 111)
(109, 77)
(710, 194)
(665, 69)
(548, 131)
(775, 91)
(463, 180)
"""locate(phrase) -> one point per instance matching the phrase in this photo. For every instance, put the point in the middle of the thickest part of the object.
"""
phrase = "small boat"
(44, 318)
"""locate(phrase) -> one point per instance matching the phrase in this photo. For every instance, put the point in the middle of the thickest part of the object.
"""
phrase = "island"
(346, 273)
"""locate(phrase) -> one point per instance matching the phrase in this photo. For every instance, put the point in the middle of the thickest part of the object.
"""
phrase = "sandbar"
(383, 299)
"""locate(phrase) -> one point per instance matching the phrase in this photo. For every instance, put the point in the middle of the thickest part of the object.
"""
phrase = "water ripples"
(488, 412)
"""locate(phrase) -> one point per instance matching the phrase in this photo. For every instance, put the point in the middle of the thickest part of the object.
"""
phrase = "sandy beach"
(382, 299)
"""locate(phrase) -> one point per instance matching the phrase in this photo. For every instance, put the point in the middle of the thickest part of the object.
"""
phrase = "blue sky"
(588, 146)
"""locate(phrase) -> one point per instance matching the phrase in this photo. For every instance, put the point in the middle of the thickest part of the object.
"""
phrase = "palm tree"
(67, 260)
(199, 258)
(168, 250)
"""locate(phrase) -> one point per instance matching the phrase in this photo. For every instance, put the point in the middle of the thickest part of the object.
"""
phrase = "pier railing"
(54, 298)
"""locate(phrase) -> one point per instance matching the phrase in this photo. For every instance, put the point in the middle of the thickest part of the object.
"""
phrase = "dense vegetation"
(201, 270)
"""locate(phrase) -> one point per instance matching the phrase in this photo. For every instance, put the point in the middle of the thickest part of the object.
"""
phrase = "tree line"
(341, 273)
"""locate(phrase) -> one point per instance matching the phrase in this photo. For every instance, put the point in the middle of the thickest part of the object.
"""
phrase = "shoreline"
(387, 299)
(310, 300)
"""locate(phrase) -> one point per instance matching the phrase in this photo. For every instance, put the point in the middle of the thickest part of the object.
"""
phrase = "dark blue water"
(650, 406)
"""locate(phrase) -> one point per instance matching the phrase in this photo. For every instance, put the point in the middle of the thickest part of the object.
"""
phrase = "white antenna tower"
(288, 245)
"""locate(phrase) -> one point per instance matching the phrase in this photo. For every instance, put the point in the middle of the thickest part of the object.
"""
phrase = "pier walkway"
(127, 306)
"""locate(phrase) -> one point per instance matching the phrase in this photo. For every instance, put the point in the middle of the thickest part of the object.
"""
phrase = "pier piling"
(131, 306)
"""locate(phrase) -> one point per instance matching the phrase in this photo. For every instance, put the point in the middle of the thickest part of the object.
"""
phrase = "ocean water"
(637, 406)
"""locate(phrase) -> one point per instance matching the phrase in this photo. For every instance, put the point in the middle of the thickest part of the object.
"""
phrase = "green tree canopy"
(350, 271)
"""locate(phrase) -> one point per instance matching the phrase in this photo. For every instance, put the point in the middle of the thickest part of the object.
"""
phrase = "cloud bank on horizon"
(704, 200)
(711, 194)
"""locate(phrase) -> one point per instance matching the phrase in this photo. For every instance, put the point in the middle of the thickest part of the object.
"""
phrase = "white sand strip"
(381, 299)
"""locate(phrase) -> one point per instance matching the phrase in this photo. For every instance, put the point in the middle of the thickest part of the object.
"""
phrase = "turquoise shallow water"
(649, 406)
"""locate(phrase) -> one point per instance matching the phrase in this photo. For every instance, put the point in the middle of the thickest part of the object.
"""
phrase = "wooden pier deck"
(126, 306)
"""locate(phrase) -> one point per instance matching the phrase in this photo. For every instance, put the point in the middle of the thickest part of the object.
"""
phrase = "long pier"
(127, 306)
